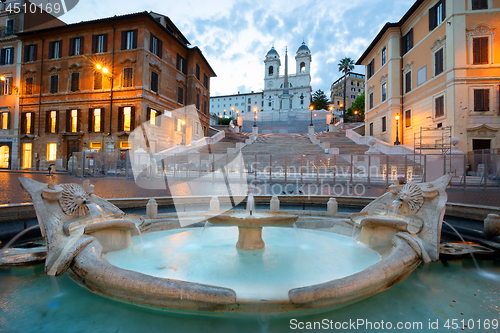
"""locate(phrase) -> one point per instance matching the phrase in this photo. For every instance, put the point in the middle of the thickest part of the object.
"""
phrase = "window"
(384, 91)
(408, 82)
(205, 80)
(480, 50)
(384, 124)
(178, 127)
(72, 124)
(439, 62)
(27, 124)
(75, 46)
(371, 129)
(481, 100)
(75, 81)
(154, 82)
(128, 77)
(5, 120)
(6, 86)
(155, 46)
(54, 84)
(302, 67)
(30, 52)
(126, 118)
(180, 95)
(479, 4)
(51, 151)
(96, 120)
(353, 96)
(97, 80)
(7, 56)
(198, 101)
(153, 117)
(129, 40)
(249, 100)
(270, 103)
(384, 57)
(437, 15)
(10, 27)
(271, 70)
(52, 122)
(371, 101)
(181, 64)
(125, 145)
(371, 68)
(353, 89)
(100, 43)
(95, 146)
(198, 72)
(439, 107)
(27, 149)
(205, 106)
(422, 75)
(408, 118)
(55, 49)
(407, 42)
(439, 125)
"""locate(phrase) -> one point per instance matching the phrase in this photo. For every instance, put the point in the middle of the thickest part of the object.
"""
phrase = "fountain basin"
(250, 225)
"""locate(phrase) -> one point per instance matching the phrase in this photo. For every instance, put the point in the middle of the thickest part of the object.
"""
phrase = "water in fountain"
(203, 232)
(16, 237)
(396, 204)
(94, 210)
(465, 243)
(250, 203)
(140, 234)
(297, 234)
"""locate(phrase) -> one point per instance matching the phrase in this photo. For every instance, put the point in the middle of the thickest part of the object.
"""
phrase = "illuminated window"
(124, 145)
(27, 148)
(5, 120)
(28, 123)
(74, 121)
(152, 117)
(126, 118)
(95, 146)
(97, 120)
(178, 128)
(51, 151)
(52, 122)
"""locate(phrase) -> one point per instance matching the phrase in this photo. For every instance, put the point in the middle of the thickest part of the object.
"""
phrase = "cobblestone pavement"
(11, 191)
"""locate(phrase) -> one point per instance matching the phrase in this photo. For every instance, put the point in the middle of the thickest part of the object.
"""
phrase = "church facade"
(276, 96)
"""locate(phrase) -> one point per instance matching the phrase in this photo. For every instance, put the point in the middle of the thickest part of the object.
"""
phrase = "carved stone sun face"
(73, 199)
(412, 197)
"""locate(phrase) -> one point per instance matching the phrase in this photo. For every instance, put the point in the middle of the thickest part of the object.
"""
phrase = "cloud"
(235, 35)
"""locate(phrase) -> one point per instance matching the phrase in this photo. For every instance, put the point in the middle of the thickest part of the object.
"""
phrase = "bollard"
(332, 207)
(214, 204)
(275, 204)
(492, 226)
(152, 209)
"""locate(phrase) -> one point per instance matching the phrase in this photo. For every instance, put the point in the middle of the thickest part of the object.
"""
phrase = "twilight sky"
(235, 35)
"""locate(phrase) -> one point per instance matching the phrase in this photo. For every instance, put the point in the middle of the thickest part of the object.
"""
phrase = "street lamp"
(331, 111)
(356, 115)
(311, 107)
(5, 81)
(255, 117)
(105, 71)
(232, 111)
(396, 143)
(237, 120)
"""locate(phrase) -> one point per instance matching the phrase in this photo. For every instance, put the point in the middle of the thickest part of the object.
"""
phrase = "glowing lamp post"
(396, 143)
(311, 107)
(331, 111)
(105, 71)
(183, 131)
(255, 117)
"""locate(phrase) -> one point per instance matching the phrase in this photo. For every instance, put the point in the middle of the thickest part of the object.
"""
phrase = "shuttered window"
(30, 52)
(181, 64)
(55, 49)
(408, 82)
(205, 80)
(481, 100)
(407, 42)
(439, 107)
(371, 68)
(27, 123)
(180, 95)
(128, 77)
(7, 56)
(408, 118)
(97, 80)
(54, 84)
(371, 129)
(437, 14)
(155, 45)
(198, 72)
(129, 40)
(75, 81)
(100, 43)
(154, 82)
(371, 100)
(479, 4)
(384, 124)
(75, 46)
(438, 62)
(480, 50)
(5, 120)
(126, 118)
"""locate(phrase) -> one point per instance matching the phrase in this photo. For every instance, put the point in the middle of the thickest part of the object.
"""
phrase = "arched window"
(271, 70)
(302, 67)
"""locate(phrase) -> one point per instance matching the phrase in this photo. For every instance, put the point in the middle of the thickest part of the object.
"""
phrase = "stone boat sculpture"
(403, 226)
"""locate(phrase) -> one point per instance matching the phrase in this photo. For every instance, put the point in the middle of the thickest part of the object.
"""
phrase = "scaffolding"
(433, 140)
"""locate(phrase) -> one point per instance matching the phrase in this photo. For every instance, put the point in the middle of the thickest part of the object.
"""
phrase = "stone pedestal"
(250, 239)
(255, 132)
(332, 207)
(310, 130)
(457, 158)
(214, 204)
(492, 226)
(331, 127)
(275, 204)
(152, 209)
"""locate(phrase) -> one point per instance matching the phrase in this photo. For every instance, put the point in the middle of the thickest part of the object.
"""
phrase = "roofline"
(348, 74)
(181, 37)
(389, 25)
(233, 95)
(197, 49)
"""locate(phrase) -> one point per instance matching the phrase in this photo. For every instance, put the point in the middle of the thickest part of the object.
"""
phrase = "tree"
(359, 107)
(345, 66)
(319, 100)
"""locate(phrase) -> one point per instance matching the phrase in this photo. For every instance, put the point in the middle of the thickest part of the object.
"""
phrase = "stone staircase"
(230, 141)
(344, 144)
(282, 144)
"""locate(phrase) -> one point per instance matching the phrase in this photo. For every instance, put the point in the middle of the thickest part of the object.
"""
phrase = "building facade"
(438, 67)
(355, 87)
(270, 99)
(87, 85)
(11, 24)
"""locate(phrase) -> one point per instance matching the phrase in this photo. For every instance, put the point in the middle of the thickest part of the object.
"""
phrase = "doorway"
(27, 149)
(72, 146)
(5, 156)
(480, 144)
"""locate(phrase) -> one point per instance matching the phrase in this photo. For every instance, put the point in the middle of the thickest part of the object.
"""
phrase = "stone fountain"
(84, 233)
